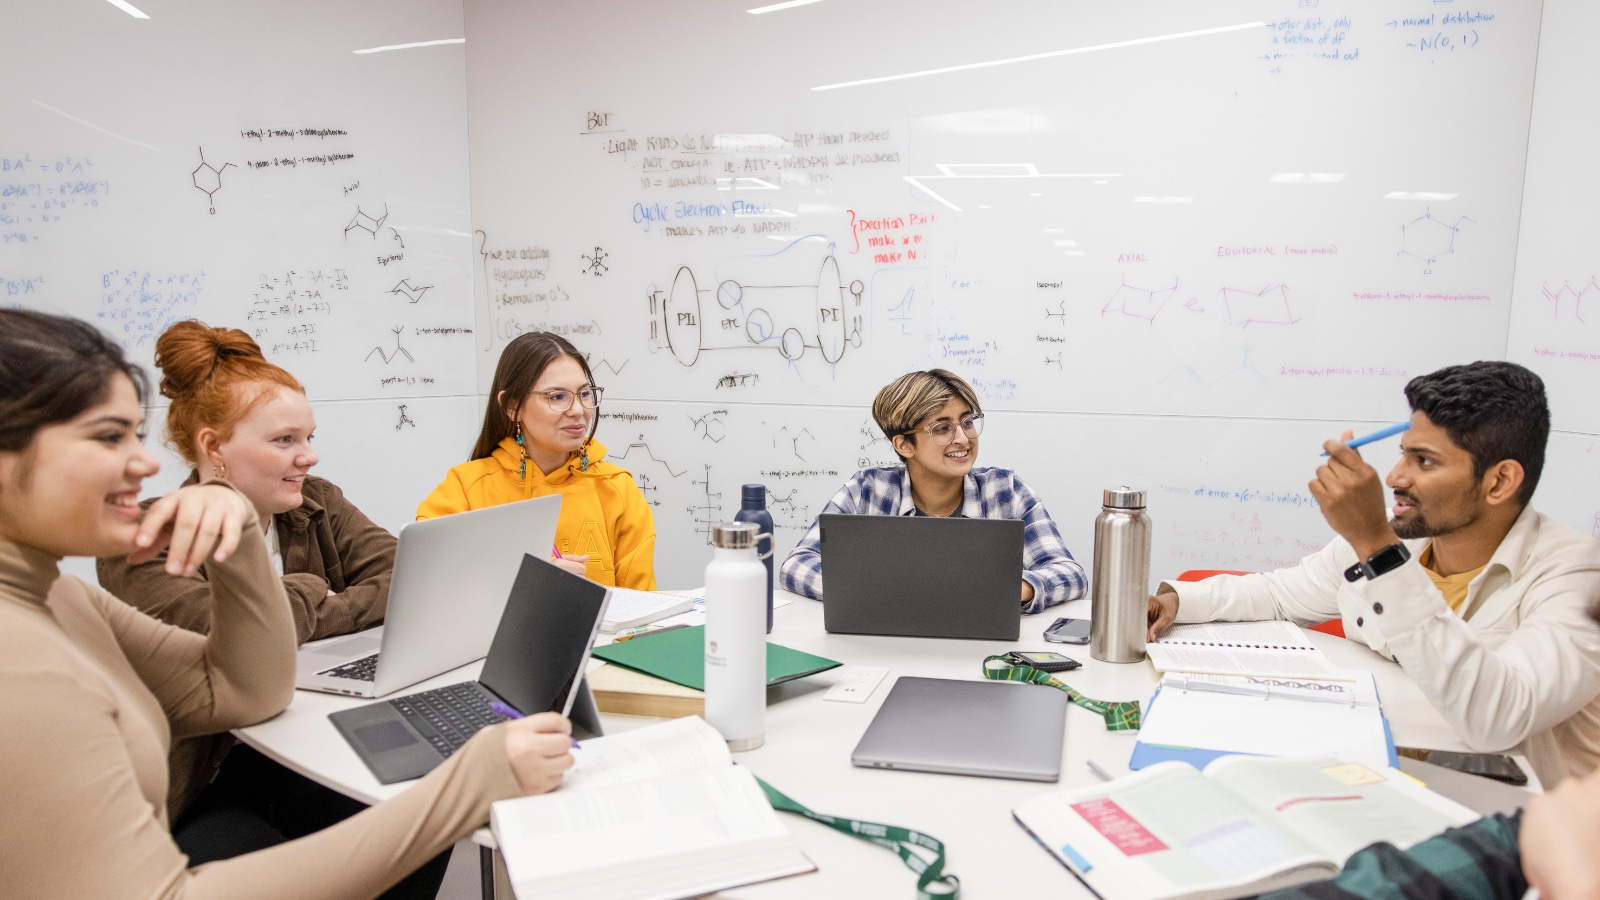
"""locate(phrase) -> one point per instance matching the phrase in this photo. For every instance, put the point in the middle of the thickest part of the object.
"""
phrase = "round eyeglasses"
(561, 400)
(944, 430)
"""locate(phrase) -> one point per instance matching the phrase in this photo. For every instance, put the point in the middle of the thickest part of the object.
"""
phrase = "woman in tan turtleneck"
(92, 691)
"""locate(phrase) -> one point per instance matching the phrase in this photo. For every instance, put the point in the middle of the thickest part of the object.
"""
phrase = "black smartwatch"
(1386, 560)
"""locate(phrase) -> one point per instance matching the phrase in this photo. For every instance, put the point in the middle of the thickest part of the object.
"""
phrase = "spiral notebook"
(1272, 647)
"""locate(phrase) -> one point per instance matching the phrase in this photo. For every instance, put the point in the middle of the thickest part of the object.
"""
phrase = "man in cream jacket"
(1481, 599)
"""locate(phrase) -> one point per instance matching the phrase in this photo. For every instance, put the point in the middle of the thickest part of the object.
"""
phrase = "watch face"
(1389, 558)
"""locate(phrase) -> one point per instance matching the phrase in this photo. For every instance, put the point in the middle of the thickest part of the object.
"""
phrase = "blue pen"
(1378, 435)
(510, 713)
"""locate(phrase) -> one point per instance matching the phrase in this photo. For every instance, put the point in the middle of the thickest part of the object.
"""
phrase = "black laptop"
(917, 576)
(535, 663)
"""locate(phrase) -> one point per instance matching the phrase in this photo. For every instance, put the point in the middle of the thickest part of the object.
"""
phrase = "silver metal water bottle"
(1121, 585)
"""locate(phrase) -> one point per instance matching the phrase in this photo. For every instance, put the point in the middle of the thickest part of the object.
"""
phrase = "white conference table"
(809, 740)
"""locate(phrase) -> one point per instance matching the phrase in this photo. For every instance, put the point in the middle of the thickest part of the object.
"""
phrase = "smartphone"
(1489, 765)
(1045, 660)
(1068, 631)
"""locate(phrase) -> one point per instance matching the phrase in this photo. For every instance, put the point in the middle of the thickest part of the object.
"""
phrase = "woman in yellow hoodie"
(538, 439)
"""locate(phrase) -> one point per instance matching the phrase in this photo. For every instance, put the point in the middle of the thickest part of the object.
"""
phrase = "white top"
(1518, 669)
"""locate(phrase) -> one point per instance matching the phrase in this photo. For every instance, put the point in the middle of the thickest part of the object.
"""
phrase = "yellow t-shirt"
(1453, 587)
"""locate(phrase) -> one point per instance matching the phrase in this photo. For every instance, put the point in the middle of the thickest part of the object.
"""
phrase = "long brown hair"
(521, 364)
(214, 377)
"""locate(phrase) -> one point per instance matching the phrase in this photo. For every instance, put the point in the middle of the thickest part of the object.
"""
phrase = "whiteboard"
(1555, 326)
(1178, 264)
(1178, 253)
(238, 163)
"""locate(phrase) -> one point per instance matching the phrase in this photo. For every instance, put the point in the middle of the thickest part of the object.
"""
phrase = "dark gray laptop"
(916, 576)
(997, 729)
(535, 663)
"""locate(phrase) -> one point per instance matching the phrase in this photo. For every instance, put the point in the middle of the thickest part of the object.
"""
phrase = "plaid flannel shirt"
(1480, 861)
(989, 493)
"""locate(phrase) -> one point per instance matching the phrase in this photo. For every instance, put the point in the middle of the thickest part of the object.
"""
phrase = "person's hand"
(1560, 831)
(539, 749)
(577, 565)
(191, 523)
(1350, 493)
(1163, 612)
(1027, 592)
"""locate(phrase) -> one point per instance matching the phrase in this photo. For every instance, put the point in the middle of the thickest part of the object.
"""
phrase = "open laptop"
(451, 577)
(536, 663)
(997, 729)
(917, 576)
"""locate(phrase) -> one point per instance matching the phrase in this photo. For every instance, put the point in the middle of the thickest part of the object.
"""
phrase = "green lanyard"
(932, 881)
(1122, 716)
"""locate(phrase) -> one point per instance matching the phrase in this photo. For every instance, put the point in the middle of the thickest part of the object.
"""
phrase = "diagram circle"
(830, 311)
(794, 344)
(729, 293)
(680, 317)
(758, 326)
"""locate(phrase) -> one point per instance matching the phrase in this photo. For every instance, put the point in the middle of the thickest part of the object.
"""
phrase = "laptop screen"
(544, 637)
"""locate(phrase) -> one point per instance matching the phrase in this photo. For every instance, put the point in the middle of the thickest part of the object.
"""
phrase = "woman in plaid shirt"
(933, 419)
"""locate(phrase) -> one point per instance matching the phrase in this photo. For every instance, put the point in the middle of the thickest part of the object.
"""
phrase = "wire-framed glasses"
(561, 400)
(944, 430)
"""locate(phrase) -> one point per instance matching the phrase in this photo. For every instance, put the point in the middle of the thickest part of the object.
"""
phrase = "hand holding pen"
(537, 748)
(577, 565)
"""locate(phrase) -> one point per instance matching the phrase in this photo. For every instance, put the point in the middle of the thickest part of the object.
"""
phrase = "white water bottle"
(736, 637)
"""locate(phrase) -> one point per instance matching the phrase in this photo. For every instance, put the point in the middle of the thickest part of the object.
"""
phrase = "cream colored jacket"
(1518, 670)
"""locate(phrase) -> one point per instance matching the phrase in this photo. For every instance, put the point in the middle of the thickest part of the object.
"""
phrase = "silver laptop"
(916, 576)
(997, 729)
(451, 579)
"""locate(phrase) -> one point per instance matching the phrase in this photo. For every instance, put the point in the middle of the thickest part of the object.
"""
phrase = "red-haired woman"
(236, 416)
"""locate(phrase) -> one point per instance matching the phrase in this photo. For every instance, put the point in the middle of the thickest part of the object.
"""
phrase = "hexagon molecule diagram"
(208, 179)
(1428, 238)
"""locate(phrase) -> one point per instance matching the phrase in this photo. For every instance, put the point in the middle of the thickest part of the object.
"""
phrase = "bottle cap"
(755, 495)
(1123, 497)
(734, 536)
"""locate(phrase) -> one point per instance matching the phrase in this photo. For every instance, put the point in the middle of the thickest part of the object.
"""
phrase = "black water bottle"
(754, 511)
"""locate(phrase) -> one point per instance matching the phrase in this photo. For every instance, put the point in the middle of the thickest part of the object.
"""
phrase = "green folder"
(679, 656)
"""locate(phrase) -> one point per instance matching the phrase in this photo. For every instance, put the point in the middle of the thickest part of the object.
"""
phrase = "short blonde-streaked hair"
(912, 397)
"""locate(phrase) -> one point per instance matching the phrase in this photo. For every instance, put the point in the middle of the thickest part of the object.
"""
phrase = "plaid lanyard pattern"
(1121, 716)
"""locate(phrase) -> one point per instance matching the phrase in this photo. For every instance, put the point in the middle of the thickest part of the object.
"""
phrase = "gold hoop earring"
(221, 470)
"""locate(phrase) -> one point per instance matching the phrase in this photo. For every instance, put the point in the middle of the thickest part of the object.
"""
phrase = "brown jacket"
(91, 689)
(327, 545)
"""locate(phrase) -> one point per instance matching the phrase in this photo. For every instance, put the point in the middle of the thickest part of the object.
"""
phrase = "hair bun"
(188, 352)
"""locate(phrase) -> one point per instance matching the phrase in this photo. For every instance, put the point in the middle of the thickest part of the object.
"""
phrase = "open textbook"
(1242, 826)
(657, 813)
(1271, 647)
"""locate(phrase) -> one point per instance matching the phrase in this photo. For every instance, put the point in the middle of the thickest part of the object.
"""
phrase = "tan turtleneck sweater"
(92, 692)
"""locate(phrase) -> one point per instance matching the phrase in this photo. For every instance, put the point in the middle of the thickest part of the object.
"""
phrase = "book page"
(681, 745)
(604, 826)
(1287, 663)
(1340, 806)
(1270, 633)
(628, 607)
(1166, 831)
(1359, 690)
(1270, 725)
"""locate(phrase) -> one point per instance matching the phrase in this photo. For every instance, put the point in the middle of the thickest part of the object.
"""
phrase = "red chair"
(1334, 627)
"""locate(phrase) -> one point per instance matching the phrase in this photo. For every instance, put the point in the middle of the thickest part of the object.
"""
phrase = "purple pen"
(505, 710)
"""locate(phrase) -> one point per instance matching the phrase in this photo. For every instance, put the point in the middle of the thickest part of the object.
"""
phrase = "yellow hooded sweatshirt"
(603, 512)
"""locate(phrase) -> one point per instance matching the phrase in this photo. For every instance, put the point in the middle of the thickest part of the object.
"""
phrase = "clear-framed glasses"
(561, 400)
(944, 430)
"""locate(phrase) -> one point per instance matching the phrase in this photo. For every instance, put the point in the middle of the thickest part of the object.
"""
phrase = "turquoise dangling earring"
(583, 456)
(522, 470)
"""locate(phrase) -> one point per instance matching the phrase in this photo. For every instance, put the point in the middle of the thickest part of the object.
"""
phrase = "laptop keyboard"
(446, 717)
(363, 669)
